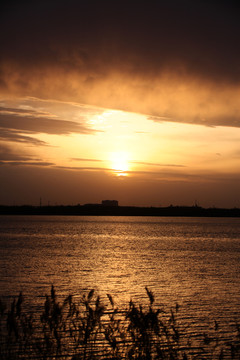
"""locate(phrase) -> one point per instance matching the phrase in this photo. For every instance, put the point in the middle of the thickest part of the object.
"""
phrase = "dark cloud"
(200, 36)
(41, 125)
(173, 54)
(13, 135)
(17, 124)
(26, 163)
(9, 157)
(26, 112)
(6, 154)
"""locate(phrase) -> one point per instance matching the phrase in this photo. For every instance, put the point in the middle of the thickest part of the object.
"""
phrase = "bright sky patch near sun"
(126, 146)
(122, 141)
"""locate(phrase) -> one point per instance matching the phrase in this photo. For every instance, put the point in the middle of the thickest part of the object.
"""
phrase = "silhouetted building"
(109, 203)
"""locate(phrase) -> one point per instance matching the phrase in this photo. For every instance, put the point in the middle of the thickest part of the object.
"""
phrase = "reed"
(90, 329)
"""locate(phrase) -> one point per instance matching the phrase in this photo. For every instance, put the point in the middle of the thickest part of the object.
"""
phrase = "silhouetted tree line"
(98, 209)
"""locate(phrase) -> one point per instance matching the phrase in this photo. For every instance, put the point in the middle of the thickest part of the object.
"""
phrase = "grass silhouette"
(89, 329)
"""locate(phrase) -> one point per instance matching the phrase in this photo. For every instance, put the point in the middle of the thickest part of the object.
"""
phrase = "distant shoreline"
(100, 210)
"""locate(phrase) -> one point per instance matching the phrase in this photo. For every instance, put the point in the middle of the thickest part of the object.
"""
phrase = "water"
(192, 261)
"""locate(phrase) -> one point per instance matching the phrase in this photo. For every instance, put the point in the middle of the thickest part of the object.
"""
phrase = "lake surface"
(194, 262)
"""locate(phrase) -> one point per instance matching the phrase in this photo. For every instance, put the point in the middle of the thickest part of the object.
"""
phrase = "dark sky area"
(140, 43)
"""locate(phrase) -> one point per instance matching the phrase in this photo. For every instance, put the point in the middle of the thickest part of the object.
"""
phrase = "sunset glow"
(96, 109)
(120, 163)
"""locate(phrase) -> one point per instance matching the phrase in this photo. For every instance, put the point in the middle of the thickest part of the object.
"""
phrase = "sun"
(120, 162)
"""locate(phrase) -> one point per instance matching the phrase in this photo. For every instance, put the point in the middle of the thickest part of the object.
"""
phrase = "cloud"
(92, 35)
(8, 157)
(139, 174)
(156, 164)
(88, 160)
(17, 123)
(37, 124)
(150, 164)
(162, 58)
(26, 163)
(206, 119)
(26, 112)
(13, 135)
(6, 154)
(84, 168)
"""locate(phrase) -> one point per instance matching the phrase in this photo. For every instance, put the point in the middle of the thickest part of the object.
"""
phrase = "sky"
(137, 101)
